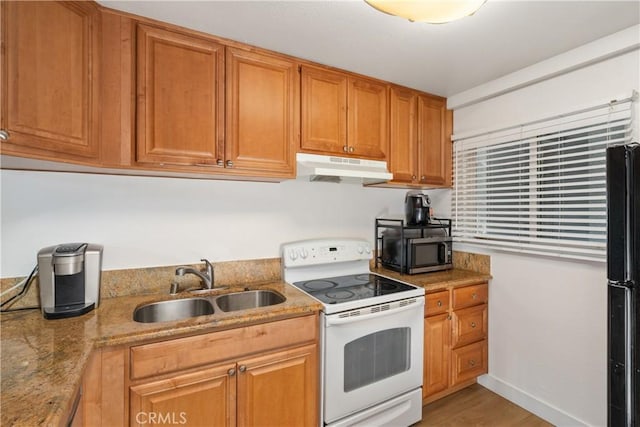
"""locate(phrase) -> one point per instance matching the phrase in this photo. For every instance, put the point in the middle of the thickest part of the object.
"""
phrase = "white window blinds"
(540, 187)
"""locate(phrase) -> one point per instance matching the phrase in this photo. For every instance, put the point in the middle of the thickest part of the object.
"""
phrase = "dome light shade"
(431, 11)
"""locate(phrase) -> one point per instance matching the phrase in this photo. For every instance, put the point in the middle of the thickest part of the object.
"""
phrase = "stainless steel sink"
(166, 311)
(248, 299)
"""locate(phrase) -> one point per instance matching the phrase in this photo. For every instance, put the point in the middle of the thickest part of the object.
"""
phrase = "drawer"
(436, 303)
(469, 362)
(184, 353)
(470, 295)
(469, 325)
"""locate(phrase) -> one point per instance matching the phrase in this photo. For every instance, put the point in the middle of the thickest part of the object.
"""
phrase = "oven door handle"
(330, 320)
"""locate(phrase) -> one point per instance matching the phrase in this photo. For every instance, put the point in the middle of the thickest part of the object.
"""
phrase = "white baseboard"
(531, 403)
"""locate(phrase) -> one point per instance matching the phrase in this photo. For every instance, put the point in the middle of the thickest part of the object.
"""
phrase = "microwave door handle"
(343, 320)
(442, 253)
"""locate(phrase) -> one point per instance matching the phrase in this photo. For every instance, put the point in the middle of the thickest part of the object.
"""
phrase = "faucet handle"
(209, 265)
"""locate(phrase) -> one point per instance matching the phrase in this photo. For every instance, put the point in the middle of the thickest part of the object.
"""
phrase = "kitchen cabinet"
(51, 80)
(263, 374)
(262, 113)
(343, 114)
(420, 139)
(180, 99)
(455, 339)
(214, 108)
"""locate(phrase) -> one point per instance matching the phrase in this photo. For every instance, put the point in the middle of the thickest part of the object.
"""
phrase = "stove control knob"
(303, 253)
(293, 255)
(367, 249)
(360, 250)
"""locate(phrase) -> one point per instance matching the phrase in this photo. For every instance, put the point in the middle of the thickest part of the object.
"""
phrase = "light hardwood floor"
(477, 406)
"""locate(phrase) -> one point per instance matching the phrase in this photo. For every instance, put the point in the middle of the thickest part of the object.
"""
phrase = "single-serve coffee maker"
(69, 279)
(417, 208)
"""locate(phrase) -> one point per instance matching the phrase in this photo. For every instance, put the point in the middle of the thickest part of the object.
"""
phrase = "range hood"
(341, 169)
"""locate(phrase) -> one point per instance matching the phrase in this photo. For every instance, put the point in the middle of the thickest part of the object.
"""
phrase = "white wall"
(547, 317)
(144, 221)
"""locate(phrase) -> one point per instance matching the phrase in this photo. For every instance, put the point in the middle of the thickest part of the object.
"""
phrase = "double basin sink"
(179, 309)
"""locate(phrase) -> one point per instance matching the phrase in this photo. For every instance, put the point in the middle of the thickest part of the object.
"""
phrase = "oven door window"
(376, 356)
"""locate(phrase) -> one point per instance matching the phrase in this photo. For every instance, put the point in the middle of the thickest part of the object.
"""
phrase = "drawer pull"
(472, 363)
(439, 303)
(231, 372)
(474, 296)
(473, 324)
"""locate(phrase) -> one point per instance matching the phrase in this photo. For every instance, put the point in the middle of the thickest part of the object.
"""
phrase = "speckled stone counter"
(43, 360)
(437, 280)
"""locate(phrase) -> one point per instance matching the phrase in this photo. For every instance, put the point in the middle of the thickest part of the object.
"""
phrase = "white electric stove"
(371, 333)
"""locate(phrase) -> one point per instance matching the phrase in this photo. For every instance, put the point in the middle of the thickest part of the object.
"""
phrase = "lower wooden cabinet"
(260, 375)
(279, 389)
(455, 339)
(268, 390)
(205, 397)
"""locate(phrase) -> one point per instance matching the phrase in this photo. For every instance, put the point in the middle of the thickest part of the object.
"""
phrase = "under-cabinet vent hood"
(341, 169)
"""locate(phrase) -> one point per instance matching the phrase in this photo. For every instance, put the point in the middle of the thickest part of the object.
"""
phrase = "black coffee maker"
(416, 208)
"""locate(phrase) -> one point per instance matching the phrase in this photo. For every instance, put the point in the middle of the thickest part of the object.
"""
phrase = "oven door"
(371, 355)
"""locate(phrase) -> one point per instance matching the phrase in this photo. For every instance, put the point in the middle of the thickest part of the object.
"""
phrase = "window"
(540, 187)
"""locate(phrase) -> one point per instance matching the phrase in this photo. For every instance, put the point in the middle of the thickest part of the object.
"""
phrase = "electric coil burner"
(371, 333)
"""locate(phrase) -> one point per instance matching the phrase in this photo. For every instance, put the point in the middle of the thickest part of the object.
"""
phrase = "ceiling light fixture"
(431, 11)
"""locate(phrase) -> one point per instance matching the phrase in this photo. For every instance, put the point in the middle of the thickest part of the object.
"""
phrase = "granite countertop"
(437, 280)
(43, 361)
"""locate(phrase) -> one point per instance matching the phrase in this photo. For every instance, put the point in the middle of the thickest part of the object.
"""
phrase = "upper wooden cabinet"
(180, 97)
(220, 109)
(343, 114)
(434, 141)
(50, 79)
(420, 141)
(262, 112)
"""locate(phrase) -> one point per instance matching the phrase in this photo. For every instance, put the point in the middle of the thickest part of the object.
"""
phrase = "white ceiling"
(502, 37)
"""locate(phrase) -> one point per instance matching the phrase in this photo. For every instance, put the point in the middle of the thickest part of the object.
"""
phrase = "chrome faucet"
(205, 275)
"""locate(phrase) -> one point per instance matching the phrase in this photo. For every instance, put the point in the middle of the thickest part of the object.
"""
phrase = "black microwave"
(413, 255)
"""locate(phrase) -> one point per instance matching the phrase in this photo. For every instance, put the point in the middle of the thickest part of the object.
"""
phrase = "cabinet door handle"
(472, 363)
(219, 162)
(231, 372)
(422, 178)
(4, 135)
(439, 303)
(351, 149)
(229, 164)
(345, 148)
(242, 368)
(413, 177)
(473, 324)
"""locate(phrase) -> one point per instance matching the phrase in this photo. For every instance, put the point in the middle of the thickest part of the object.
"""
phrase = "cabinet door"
(469, 362)
(324, 111)
(434, 154)
(403, 150)
(469, 325)
(279, 389)
(206, 397)
(262, 113)
(180, 99)
(367, 129)
(437, 348)
(50, 79)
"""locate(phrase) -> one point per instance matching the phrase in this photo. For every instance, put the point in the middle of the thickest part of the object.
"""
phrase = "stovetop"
(338, 290)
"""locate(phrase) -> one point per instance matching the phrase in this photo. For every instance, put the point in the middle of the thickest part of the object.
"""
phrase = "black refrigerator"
(623, 272)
